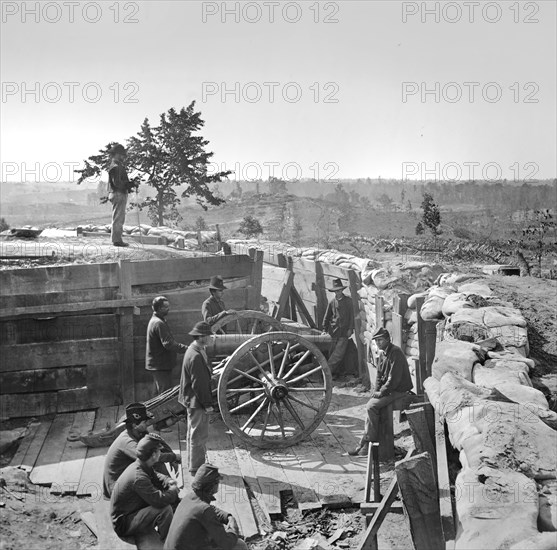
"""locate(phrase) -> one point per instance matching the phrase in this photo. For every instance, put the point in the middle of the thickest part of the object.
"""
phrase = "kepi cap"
(137, 412)
(147, 446)
(201, 329)
(206, 475)
(381, 333)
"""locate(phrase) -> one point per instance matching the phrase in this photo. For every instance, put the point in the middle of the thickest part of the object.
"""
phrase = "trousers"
(373, 409)
(198, 434)
(163, 380)
(337, 353)
(146, 519)
(119, 202)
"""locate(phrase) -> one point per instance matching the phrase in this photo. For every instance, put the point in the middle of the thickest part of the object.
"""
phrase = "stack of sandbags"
(411, 348)
(432, 308)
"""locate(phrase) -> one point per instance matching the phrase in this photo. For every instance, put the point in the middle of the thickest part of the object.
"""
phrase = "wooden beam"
(379, 312)
(256, 281)
(415, 478)
(320, 294)
(41, 380)
(302, 308)
(284, 295)
(354, 285)
(127, 381)
(423, 440)
(445, 499)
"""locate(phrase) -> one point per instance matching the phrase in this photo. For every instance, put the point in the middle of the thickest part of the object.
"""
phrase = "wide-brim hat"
(381, 333)
(337, 285)
(117, 148)
(216, 283)
(137, 412)
(206, 475)
(201, 329)
(147, 446)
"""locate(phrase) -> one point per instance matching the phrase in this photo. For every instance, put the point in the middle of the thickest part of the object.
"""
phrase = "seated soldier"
(142, 499)
(197, 525)
(123, 450)
(213, 308)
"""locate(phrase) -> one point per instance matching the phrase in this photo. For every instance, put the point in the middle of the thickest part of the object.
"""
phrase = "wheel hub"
(277, 390)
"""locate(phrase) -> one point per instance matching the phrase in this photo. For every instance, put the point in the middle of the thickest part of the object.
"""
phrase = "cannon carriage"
(272, 383)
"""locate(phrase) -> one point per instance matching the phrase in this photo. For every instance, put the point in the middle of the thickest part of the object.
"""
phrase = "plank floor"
(317, 472)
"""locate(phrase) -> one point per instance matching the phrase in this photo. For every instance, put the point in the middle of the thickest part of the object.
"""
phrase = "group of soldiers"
(143, 495)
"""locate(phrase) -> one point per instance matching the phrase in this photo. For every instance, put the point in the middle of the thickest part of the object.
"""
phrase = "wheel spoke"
(295, 399)
(271, 359)
(249, 376)
(260, 367)
(244, 390)
(305, 375)
(298, 363)
(249, 402)
(280, 420)
(284, 359)
(239, 326)
(266, 419)
(307, 389)
(256, 412)
(293, 412)
(253, 329)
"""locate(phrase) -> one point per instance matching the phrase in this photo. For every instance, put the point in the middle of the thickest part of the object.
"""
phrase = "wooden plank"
(66, 479)
(379, 312)
(24, 445)
(423, 440)
(127, 381)
(430, 344)
(443, 482)
(58, 354)
(43, 380)
(284, 295)
(256, 283)
(397, 335)
(58, 278)
(302, 308)
(91, 479)
(51, 328)
(28, 461)
(190, 269)
(415, 479)
(355, 285)
(271, 286)
(46, 466)
(331, 272)
(320, 294)
(232, 496)
(33, 404)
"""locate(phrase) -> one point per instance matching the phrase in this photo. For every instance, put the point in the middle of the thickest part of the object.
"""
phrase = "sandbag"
(432, 308)
(475, 288)
(412, 300)
(495, 372)
(456, 357)
(453, 303)
(490, 516)
(498, 316)
(431, 387)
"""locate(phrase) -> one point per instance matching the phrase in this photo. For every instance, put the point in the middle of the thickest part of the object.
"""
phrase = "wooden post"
(302, 307)
(445, 499)
(354, 284)
(423, 440)
(219, 241)
(127, 375)
(254, 299)
(369, 475)
(399, 309)
(386, 433)
(416, 478)
(374, 452)
(421, 340)
(320, 294)
(284, 295)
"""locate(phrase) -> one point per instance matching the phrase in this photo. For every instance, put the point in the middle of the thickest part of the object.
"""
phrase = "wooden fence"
(73, 337)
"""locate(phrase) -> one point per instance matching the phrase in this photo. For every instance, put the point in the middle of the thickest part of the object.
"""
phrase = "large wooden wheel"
(246, 322)
(274, 389)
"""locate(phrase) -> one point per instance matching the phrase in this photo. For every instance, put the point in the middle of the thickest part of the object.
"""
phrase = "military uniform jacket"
(121, 454)
(161, 349)
(393, 373)
(138, 487)
(199, 526)
(212, 310)
(118, 181)
(195, 383)
(339, 317)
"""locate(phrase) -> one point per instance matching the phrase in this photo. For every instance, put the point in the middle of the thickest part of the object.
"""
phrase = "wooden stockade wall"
(73, 337)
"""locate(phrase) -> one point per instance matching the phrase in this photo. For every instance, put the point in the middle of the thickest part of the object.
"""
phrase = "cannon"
(272, 383)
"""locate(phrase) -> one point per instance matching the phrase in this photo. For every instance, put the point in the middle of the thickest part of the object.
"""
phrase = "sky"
(349, 89)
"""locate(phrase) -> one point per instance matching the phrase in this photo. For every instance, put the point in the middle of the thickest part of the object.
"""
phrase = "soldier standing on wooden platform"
(339, 324)
(123, 450)
(162, 348)
(393, 381)
(142, 499)
(197, 525)
(213, 308)
(196, 394)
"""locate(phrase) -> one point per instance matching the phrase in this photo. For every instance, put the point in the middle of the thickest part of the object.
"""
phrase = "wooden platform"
(317, 472)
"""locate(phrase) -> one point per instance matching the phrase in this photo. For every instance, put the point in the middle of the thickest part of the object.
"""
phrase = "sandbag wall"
(506, 491)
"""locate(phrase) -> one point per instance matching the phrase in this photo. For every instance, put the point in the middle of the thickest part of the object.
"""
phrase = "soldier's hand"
(210, 410)
(376, 395)
(178, 458)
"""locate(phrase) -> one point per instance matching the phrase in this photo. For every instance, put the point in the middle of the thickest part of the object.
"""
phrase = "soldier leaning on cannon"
(142, 499)
(162, 348)
(213, 308)
(123, 450)
(339, 324)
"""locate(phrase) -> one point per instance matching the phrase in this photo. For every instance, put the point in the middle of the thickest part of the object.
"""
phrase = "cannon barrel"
(224, 344)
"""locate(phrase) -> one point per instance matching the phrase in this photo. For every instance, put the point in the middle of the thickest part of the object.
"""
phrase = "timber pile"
(506, 492)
